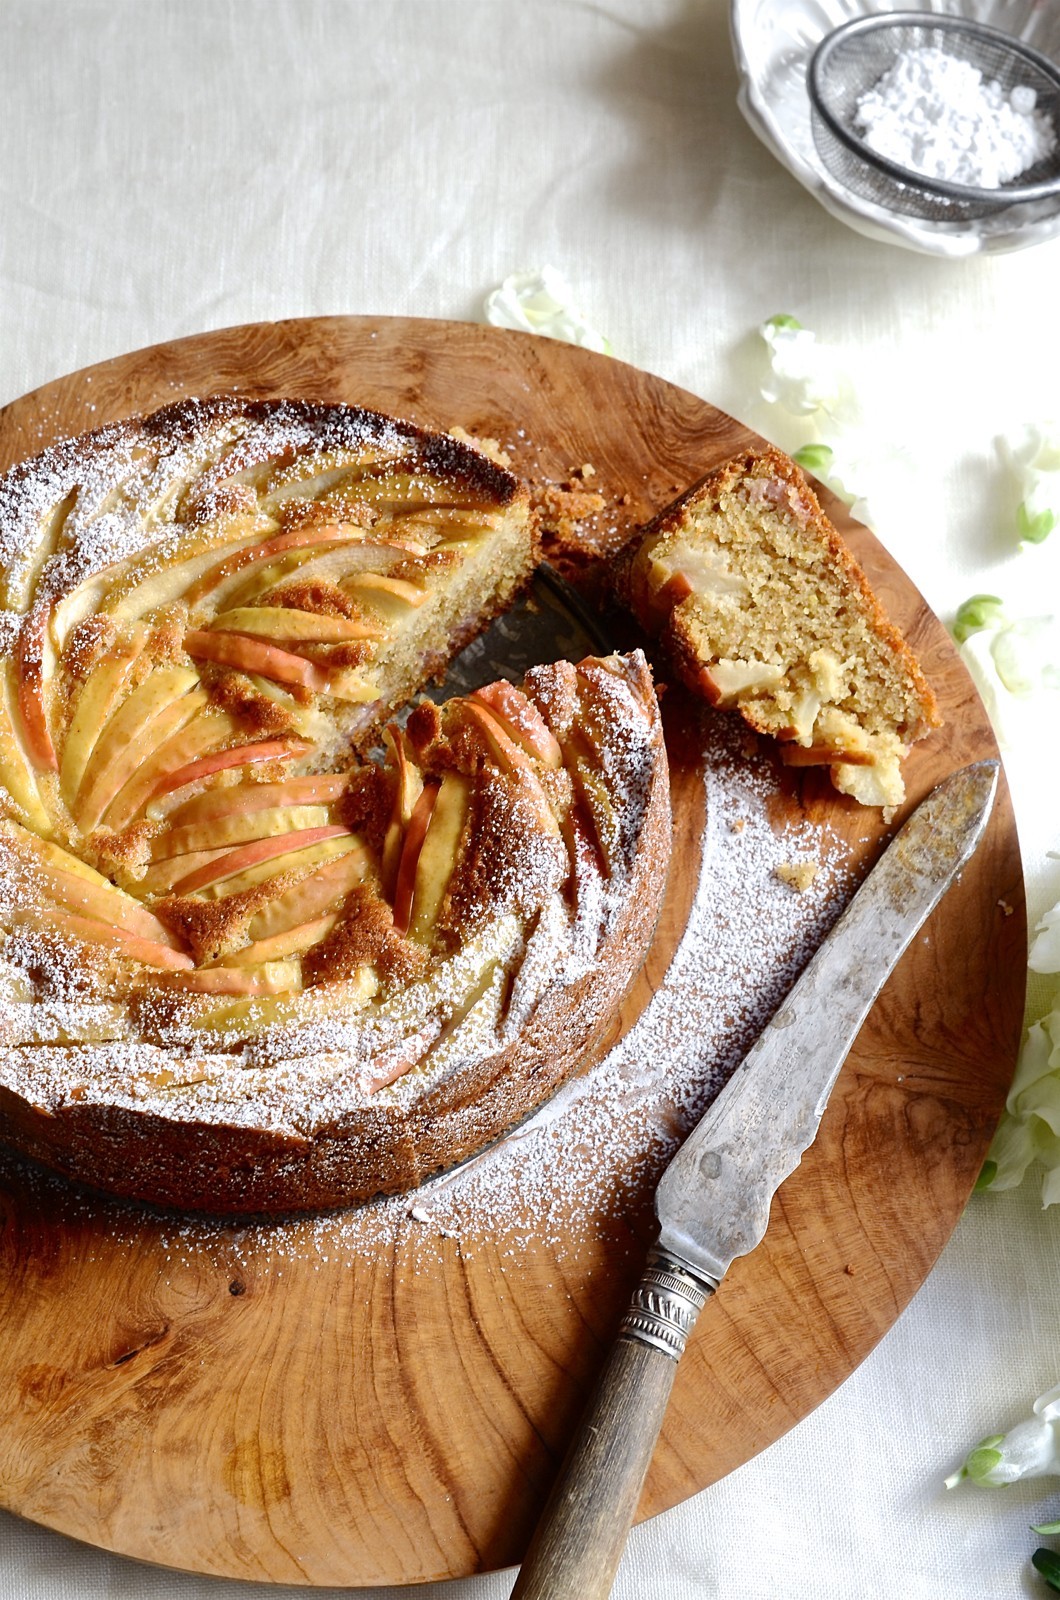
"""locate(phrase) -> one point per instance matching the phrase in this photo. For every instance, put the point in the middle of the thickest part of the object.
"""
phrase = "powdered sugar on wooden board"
(593, 1153)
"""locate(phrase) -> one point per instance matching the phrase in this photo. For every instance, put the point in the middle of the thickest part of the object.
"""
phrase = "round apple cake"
(262, 948)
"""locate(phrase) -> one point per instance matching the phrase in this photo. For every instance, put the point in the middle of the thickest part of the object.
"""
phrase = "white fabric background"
(168, 166)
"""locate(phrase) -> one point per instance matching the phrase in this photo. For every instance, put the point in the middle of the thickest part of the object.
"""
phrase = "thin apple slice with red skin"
(246, 654)
(415, 833)
(329, 1000)
(299, 861)
(438, 853)
(160, 878)
(294, 942)
(240, 560)
(29, 672)
(118, 941)
(317, 893)
(17, 773)
(238, 828)
(270, 977)
(72, 885)
(370, 586)
(132, 735)
(255, 854)
(199, 736)
(108, 906)
(313, 789)
(45, 851)
(160, 689)
(408, 788)
(158, 733)
(207, 766)
(522, 720)
(147, 583)
(331, 566)
(99, 697)
(512, 758)
(286, 622)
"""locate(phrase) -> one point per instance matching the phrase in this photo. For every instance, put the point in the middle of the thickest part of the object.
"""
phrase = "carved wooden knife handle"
(575, 1551)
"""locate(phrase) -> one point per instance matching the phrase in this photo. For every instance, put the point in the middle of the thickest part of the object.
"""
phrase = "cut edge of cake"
(761, 608)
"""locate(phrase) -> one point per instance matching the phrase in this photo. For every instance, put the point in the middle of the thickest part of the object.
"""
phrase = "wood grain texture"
(269, 1404)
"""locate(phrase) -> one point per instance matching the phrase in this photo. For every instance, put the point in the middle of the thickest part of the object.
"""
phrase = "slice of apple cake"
(242, 967)
(761, 607)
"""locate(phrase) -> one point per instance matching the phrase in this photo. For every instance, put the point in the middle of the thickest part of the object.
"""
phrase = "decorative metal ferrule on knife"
(665, 1305)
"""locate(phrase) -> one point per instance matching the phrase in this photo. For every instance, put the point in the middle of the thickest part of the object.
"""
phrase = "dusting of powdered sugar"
(594, 1152)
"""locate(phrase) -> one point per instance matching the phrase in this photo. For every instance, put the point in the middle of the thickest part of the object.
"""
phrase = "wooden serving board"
(272, 1404)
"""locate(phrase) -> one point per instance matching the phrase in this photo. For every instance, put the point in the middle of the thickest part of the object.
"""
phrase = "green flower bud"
(981, 611)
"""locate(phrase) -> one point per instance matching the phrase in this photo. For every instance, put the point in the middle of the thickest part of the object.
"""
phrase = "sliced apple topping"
(99, 696)
(31, 669)
(437, 856)
(315, 894)
(17, 774)
(69, 884)
(266, 977)
(109, 939)
(415, 833)
(164, 704)
(253, 655)
(217, 761)
(284, 622)
(408, 786)
(521, 720)
(314, 789)
(294, 942)
(234, 863)
(389, 595)
(238, 828)
(332, 565)
(337, 999)
(237, 566)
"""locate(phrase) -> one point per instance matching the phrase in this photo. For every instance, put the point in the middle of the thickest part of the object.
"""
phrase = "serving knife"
(714, 1198)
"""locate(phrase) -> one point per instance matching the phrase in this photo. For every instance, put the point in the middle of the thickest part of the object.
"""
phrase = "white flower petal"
(1033, 458)
(542, 301)
(1045, 951)
(804, 376)
(1027, 654)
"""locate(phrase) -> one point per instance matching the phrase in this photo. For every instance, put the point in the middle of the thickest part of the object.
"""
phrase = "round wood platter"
(266, 1403)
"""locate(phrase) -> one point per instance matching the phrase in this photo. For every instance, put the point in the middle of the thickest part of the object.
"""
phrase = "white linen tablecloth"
(169, 166)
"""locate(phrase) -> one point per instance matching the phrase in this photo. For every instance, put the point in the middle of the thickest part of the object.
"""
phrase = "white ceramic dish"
(773, 41)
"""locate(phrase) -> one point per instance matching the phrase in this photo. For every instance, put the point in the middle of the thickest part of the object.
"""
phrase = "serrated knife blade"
(714, 1199)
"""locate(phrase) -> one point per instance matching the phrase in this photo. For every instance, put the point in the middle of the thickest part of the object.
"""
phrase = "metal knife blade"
(714, 1198)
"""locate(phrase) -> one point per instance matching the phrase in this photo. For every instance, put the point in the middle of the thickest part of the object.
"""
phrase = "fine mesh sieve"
(853, 58)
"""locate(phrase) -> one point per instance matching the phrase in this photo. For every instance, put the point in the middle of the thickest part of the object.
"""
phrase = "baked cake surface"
(762, 608)
(243, 969)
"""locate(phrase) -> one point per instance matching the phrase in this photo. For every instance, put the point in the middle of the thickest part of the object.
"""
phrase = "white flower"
(804, 376)
(1030, 1129)
(1014, 663)
(542, 301)
(1029, 1450)
(1045, 951)
(1034, 459)
(873, 479)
